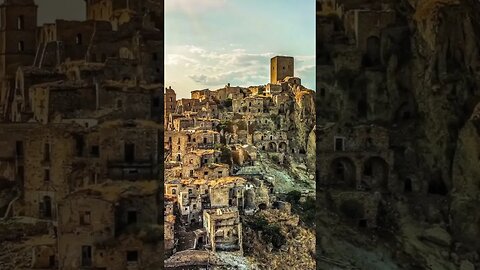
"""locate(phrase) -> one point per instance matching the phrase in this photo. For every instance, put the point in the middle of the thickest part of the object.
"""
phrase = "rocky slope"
(274, 239)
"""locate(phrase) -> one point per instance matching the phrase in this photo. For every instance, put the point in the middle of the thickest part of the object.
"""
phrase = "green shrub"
(270, 232)
(293, 196)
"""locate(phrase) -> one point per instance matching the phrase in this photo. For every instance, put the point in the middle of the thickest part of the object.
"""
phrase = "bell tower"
(18, 43)
(17, 35)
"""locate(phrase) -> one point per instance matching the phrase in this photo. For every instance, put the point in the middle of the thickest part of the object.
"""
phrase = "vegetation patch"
(270, 233)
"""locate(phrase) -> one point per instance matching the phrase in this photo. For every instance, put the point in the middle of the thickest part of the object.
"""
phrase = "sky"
(209, 43)
(49, 10)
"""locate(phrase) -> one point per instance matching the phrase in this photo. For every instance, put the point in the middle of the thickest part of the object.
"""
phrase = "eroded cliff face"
(466, 184)
(423, 87)
(446, 61)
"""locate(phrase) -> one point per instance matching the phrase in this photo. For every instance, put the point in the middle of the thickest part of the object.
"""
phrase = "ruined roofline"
(283, 56)
(132, 123)
(24, 3)
(131, 85)
(62, 85)
(211, 182)
(33, 70)
(204, 151)
(217, 165)
(221, 211)
(113, 191)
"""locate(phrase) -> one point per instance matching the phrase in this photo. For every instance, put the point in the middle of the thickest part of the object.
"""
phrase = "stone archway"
(282, 147)
(272, 147)
(436, 185)
(375, 173)
(372, 54)
(342, 171)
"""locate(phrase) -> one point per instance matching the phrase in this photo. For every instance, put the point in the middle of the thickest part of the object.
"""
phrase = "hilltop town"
(232, 158)
(81, 137)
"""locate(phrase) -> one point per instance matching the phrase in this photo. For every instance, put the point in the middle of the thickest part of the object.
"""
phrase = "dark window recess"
(132, 217)
(46, 175)
(20, 22)
(79, 145)
(51, 261)
(156, 102)
(21, 46)
(85, 218)
(129, 152)
(46, 152)
(46, 207)
(339, 144)
(362, 108)
(132, 256)
(86, 256)
(119, 104)
(368, 171)
(408, 185)
(19, 148)
(95, 151)
(362, 223)
(78, 39)
(21, 174)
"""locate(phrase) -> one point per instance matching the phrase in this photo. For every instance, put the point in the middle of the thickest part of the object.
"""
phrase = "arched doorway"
(436, 185)
(375, 173)
(262, 206)
(282, 147)
(272, 147)
(372, 55)
(342, 171)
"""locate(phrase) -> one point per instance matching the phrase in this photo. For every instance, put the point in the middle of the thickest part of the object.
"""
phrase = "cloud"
(213, 69)
(193, 6)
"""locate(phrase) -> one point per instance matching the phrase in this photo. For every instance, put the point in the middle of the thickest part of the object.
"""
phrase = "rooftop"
(113, 191)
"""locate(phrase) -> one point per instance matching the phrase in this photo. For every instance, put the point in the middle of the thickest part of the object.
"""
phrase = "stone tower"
(18, 35)
(170, 100)
(17, 42)
(280, 68)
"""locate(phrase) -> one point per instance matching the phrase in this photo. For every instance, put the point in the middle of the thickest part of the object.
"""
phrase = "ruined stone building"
(81, 108)
(115, 214)
(224, 230)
